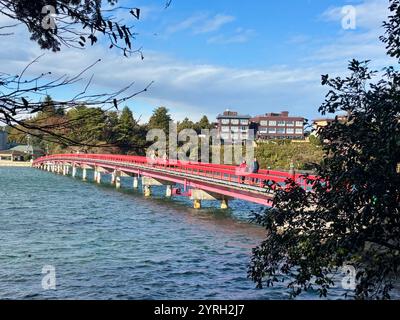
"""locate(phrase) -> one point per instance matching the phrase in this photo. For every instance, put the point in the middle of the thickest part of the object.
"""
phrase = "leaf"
(115, 103)
(25, 102)
(135, 12)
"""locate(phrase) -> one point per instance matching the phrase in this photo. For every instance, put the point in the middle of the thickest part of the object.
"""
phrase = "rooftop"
(27, 149)
(233, 115)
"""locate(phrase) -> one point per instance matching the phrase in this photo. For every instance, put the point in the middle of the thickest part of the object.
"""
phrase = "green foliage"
(185, 124)
(204, 123)
(160, 119)
(352, 215)
(279, 154)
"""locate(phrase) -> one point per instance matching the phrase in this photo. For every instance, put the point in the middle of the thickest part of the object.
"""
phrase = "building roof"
(238, 116)
(27, 149)
(12, 152)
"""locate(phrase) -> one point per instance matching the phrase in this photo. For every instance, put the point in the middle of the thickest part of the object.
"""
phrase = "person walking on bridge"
(255, 167)
(243, 170)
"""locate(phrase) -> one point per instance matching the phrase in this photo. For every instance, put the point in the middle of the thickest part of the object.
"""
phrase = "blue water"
(109, 244)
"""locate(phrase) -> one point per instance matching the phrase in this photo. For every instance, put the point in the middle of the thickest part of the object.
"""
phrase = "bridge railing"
(225, 173)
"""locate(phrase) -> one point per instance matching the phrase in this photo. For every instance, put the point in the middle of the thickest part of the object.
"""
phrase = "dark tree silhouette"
(53, 24)
(352, 215)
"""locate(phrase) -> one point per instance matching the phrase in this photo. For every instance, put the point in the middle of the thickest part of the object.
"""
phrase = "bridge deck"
(219, 179)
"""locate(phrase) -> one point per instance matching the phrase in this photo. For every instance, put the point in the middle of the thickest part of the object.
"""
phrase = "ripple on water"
(107, 244)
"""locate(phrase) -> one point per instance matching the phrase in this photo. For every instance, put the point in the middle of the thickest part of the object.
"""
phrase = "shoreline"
(15, 164)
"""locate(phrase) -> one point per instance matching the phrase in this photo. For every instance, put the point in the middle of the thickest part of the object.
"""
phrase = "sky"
(206, 56)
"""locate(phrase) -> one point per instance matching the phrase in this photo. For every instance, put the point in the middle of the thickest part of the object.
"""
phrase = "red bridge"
(200, 181)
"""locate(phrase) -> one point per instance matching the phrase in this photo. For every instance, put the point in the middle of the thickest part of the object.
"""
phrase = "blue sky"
(253, 56)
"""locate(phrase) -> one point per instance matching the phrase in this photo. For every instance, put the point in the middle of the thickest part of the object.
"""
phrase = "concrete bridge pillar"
(98, 177)
(197, 204)
(113, 177)
(224, 204)
(84, 174)
(135, 182)
(168, 191)
(147, 191)
(117, 180)
(73, 171)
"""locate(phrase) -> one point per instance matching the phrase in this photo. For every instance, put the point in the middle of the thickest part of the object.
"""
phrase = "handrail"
(215, 171)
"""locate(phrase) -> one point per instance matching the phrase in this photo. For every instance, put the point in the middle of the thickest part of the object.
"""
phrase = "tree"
(351, 216)
(160, 119)
(203, 124)
(79, 23)
(185, 124)
(131, 136)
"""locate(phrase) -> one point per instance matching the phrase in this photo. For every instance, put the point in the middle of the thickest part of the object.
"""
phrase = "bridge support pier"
(197, 204)
(118, 181)
(113, 177)
(135, 182)
(73, 171)
(199, 195)
(168, 191)
(98, 177)
(64, 170)
(147, 191)
(224, 204)
(84, 174)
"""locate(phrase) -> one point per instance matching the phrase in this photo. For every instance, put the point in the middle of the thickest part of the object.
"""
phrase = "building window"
(290, 123)
(264, 123)
(235, 129)
(225, 121)
(225, 136)
(281, 123)
(225, 129)
(263, 130)
(244, 122)
(280, 130)
(272, 123)
(234, 121)
(290, 131)
(245, 128)
(299, 123)
(299, 131)
(272, 130)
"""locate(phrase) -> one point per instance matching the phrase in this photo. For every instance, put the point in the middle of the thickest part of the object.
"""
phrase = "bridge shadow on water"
(238, 218)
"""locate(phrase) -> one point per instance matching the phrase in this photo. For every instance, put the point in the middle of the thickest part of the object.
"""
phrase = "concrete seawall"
(15, 164)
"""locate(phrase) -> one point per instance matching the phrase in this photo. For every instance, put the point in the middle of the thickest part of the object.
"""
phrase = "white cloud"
(370, 14)
(195, 89)
(187, 23)
(240, 36)
(201, 23)
(215, 23)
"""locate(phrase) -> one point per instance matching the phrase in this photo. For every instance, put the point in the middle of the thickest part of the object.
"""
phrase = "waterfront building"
(29, 150)
(11, 155)
(279, 126)
(233, 126)
(323, 122)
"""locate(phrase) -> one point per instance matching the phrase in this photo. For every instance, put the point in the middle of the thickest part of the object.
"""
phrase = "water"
(109, 244)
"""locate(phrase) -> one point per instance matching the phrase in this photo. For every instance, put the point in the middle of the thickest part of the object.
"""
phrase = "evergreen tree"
(185, 124)
(160, 119)
(352, 215)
